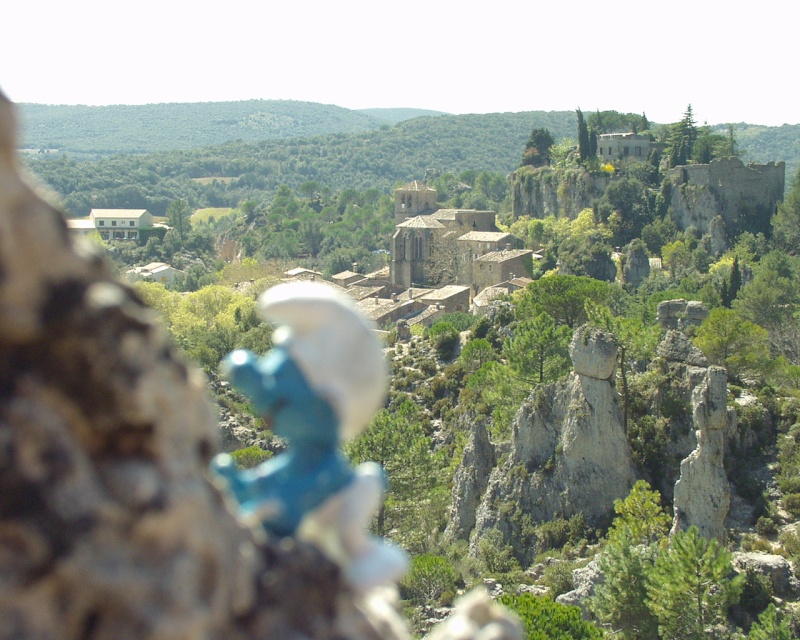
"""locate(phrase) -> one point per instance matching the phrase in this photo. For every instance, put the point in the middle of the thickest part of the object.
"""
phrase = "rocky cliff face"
(543, 192)
(471, 478)
(568, 454)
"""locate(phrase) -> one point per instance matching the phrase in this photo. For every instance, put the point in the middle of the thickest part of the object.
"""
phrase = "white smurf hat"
(335, 347)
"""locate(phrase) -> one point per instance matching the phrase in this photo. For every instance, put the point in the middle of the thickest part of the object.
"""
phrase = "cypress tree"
(584, 145)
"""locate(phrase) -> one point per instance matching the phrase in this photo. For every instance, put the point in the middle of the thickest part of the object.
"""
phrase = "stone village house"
(480, 254)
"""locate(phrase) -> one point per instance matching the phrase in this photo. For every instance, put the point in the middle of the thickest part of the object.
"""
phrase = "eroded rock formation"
(569, 453)
(702, 494)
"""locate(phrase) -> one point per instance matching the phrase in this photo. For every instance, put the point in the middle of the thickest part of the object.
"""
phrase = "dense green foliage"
(227, 174)
(117, 129)
(690, 588)
(547, 620)
(250, 457)
(430, 580)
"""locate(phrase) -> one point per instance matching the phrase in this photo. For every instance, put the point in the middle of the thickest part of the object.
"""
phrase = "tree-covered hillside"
(393, 116)
(373, 159)
(90, 131)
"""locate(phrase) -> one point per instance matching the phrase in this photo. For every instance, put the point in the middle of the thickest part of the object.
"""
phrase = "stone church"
(430, 243)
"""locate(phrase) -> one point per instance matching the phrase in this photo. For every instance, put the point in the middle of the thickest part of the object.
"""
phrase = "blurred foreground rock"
(108, 525)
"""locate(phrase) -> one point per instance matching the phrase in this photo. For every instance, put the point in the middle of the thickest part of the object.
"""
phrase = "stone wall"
(745, 196)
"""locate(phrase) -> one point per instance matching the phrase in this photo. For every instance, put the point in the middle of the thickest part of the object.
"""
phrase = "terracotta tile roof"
(421, 222)
(502, 256)
(486, 236)
(416, 185)
(445, 292)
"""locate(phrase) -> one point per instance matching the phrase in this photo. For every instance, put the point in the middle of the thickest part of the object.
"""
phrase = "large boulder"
(777, 568)
(593, 353)
(676, 347)
(680, 314)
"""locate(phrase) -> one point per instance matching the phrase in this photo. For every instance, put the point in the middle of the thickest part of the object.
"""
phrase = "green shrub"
(432, 580)
(494, 554)
(460, 320)
(250, 457)
(558, 578)
(791, 502)
(790, 542)
(547, 620)
(444, 337)
(756, 593)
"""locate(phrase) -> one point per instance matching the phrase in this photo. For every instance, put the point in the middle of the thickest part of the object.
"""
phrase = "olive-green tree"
(179, 218)
(690, 587)
(627, 558)
(730, 341)
(538, 349)
(770, 626)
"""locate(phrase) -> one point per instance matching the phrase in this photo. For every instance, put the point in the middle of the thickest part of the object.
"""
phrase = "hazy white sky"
(734, 62)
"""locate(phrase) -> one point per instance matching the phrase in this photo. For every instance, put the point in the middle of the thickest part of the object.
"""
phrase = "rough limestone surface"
(777, 568)
(545, 192)
(680, 314)
(702, 494)
(637, 266)
(569, 453)
(470, 481)
(584, 581)
(593, 353)
(676, 347)
(109, 528)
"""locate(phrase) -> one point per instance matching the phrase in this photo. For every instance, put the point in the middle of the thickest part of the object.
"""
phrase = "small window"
(132, 223)
(601, 151)
(113, 223)
(626, 151)
(638, 151)
(101, 223)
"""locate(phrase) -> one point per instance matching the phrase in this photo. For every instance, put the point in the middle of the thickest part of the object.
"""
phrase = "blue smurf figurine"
(322, 382)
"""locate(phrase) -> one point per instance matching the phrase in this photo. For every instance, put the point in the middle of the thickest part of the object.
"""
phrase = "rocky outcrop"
(471, 479)
(680, 314)
(778, 569)
(584, 581)
(636, 268)
(702, 495)
(744, 196)
(568, 454)
(676, 347)
(109, 527)
(546, 191)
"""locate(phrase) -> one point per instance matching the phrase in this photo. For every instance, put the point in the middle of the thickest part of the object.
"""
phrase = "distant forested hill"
(758, 143)
(224, 175)
(376, 156)
(393, 116)
(88, 131)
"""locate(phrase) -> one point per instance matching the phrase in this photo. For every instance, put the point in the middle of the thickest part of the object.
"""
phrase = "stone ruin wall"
(745, 196)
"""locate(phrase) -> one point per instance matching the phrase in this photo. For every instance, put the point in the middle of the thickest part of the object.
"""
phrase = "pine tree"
(770, 626)
(681, 140)
(690, 588)
(621, 599)
(735, 279)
